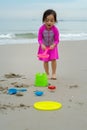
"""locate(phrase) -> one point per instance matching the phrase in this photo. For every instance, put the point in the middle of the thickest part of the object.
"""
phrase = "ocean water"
(25, 31)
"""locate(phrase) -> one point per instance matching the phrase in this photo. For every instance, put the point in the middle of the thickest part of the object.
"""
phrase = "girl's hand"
(43, 47)
(52, 46)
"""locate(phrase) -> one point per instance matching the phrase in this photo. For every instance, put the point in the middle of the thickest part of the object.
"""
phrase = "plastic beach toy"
(39, 93)
(52, 88)
(44, 54)
(47, 105)
(41, 80)
(15, 90)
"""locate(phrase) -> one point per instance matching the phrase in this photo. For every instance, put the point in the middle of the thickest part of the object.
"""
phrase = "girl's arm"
(56, 36)
(40, 39)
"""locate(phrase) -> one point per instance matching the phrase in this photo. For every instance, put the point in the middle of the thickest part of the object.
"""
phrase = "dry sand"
(18, 66)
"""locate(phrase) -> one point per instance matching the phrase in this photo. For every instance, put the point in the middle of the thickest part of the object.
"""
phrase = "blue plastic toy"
(15, 90)
(39, 93)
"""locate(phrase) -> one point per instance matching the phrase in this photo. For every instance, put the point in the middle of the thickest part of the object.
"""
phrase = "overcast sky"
(66, 9)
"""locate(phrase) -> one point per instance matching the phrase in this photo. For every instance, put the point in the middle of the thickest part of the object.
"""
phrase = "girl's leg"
(46, 67)
(53, 65)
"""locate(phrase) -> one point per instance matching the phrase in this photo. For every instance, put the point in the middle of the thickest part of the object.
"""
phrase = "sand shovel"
(44, 54)
(15, 90)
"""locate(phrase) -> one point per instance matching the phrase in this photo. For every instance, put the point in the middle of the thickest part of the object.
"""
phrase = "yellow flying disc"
(47, 105)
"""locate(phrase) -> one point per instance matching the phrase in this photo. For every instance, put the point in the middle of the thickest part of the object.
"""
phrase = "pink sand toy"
(44, 54)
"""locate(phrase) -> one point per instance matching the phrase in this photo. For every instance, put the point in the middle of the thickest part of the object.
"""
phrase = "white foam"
(73, 36)
(7, 36)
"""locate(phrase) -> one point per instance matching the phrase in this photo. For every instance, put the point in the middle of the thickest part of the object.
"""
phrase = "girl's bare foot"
(48, 76)
(53, 77)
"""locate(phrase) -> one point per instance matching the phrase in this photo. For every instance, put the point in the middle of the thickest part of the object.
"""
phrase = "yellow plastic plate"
(47, 105)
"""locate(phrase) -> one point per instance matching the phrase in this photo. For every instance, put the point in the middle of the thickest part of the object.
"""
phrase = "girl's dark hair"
(49, 12)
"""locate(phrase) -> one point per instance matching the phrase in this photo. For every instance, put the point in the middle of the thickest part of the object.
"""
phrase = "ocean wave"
(27, 38)
(26, 35)
(18, 36)
(73, 36)
(6, 36)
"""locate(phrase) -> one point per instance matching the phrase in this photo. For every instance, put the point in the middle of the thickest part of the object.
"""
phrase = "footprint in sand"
(73, 86)
(12, 75)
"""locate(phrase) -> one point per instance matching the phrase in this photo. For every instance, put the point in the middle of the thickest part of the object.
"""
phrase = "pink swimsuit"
(48, 37)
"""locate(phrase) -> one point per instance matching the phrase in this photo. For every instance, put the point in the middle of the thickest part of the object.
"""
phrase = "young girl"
(48, 36)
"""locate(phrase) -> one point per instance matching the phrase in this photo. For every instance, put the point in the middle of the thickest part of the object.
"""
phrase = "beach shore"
(18, 66)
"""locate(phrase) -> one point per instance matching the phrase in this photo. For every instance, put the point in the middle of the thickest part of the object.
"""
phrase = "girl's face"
(49, 21)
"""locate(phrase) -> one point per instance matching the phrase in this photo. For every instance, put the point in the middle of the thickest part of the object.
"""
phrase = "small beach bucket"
(41, 80)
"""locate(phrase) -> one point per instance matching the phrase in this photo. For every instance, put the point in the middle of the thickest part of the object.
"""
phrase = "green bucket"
(41, 80)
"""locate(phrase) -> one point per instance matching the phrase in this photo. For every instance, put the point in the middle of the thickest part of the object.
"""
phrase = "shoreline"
(34, 41)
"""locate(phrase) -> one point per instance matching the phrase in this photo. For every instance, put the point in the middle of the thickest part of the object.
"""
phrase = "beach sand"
(18, 66)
